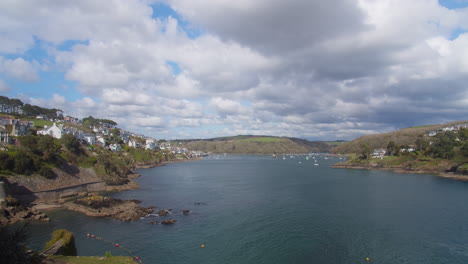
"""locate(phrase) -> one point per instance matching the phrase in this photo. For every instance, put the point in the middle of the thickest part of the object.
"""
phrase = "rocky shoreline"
(400, 169)
(125, 210)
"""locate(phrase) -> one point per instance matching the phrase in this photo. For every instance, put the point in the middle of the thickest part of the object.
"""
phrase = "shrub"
(24, 164)
(6, 162)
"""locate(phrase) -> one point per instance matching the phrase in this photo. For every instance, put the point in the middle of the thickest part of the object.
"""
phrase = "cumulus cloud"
(19, 69)
(318, 69)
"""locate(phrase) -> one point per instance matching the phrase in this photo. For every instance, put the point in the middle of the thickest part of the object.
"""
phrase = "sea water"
(256, 209)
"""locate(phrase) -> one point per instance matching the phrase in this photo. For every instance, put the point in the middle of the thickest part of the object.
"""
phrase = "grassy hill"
(406, 136)
(247, 144)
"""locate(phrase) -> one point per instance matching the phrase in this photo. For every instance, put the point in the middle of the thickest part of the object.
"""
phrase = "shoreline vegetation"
(441, 150)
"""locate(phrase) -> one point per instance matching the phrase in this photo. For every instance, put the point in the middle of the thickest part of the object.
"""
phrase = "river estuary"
(256, 209)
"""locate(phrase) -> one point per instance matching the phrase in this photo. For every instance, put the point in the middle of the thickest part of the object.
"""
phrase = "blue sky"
(207, 68)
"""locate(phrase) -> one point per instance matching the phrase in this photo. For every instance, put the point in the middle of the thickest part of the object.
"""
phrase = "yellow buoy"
(202, 246)
(367, 259)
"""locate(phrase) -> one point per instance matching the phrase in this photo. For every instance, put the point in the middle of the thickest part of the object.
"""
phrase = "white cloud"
(19, 69)
(4, 87)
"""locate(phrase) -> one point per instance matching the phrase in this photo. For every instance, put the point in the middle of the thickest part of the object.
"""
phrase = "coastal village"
(10, 128)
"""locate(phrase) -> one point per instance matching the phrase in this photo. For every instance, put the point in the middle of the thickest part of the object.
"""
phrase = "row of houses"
(381, 152)
(445, 129)
(10, 128)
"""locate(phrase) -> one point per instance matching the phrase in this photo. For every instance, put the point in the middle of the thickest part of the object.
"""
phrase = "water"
(255, 209)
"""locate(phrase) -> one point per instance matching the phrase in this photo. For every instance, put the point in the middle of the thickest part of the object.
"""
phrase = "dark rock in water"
(199, 203)
(153, 223)
(163, 212)
(186, 212)
(168, 221)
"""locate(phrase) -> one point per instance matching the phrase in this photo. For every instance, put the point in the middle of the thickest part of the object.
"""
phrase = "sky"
(320, 70)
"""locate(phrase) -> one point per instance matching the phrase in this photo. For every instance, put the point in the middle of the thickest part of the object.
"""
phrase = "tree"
(392, 148)
(46, 145)
(463, 134)
(366, 151)
(3, 103)
(16, 105)
(71, 143)
(28, 110)
(115, 132)
(442, 146)
(421, 144)
(13, 244)
(464, 149)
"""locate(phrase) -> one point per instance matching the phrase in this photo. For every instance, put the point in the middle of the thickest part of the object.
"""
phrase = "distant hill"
(406, 136)
(248, 144)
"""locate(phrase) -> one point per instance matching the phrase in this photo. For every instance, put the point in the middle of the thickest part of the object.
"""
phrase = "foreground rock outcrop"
(101, 206)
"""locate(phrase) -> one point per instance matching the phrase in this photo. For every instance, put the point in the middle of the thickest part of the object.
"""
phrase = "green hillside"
(247, 144)
(406, 136)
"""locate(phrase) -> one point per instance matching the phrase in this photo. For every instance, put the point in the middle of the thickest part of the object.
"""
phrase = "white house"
(151, 143)
(90, 138)
(132, 143)
(53, 131)
(115, 147)
(379, 153)
(101, 139)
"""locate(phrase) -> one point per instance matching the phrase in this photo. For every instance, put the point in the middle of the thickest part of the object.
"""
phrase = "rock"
(169, 221)
(153, 223)
(68, 195)
(23, 214)
(186, 212)
(163, 212)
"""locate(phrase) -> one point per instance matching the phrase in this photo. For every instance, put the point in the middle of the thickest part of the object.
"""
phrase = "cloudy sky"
(321, 70)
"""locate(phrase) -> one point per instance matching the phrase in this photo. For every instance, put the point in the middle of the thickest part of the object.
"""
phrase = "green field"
(41, 123)
(262, 139)
(94, 260)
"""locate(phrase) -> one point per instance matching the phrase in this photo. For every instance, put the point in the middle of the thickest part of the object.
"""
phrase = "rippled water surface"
(255, 209)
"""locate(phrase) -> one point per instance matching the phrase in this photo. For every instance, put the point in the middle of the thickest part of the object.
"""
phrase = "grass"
(41, 123)
(335, 143)
(94, 260)
(421, 126)
(262, 139)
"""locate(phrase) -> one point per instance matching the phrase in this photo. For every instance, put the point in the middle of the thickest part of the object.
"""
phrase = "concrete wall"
(54, 195)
